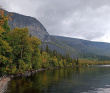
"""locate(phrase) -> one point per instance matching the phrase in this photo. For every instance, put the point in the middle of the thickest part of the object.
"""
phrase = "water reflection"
(65, 80)
(102, 65)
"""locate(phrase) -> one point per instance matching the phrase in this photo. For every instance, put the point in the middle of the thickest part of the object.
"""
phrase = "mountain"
(75, 47)
(34, 26)
(82, 48)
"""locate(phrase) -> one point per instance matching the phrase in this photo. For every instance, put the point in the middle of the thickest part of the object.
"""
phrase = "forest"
(20, 52)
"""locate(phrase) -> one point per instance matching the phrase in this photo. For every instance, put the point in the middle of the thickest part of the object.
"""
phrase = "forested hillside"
(81, 48)
(19, 51)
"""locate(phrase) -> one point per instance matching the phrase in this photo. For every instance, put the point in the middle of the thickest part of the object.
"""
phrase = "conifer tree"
(47, 49)
(41, 50)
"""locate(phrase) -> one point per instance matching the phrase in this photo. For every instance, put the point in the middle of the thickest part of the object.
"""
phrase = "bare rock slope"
(34, 26)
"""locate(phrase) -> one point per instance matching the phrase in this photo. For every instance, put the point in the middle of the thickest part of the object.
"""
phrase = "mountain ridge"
(83, 46)
(80, 39)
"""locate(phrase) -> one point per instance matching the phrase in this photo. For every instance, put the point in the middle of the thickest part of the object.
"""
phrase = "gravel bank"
(3, 84)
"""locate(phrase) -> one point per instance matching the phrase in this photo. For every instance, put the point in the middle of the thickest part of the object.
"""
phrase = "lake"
(92, 79)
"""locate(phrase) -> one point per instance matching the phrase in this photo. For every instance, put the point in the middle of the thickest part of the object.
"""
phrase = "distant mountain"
(81, 47)
(34, 26)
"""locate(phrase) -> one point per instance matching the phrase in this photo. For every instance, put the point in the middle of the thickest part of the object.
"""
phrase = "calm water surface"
(93, 79)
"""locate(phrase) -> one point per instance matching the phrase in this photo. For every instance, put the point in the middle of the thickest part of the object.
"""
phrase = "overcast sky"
(85, 19)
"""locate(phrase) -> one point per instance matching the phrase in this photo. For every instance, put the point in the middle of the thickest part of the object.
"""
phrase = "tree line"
(20, 52)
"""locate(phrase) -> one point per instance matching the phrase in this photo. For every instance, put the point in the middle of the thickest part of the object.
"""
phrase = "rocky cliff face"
(34, 26)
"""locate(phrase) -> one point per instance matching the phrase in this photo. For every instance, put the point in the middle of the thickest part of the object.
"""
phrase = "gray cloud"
(86, 19)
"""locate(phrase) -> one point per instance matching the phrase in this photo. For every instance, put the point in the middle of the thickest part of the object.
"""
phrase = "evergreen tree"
(41, 50)
(77, 62)
(47, 49)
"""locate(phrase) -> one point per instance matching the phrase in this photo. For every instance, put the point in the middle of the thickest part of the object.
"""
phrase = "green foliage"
(6, 27)
(77, 62)
(20, 52)
(55, 59)
(36, 56)
(5, 51)
(41, 50)
(20, 42)
(86, 62)
(47, 49)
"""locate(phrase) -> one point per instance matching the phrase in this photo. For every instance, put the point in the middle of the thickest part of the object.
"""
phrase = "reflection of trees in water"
(40, 80)
(47, 80)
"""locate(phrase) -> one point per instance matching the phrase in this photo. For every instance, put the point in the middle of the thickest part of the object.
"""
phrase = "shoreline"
(5, 79)
(3, 84)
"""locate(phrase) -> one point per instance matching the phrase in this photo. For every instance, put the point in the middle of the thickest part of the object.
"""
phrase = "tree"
(5, 51)
(41, 50)
(36, 56)
(4, 19)
(22, 48)
(77, 62)
(47, 49)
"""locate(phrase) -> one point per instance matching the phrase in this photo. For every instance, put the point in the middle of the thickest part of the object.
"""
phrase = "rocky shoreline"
(27, 73)
(3, 84)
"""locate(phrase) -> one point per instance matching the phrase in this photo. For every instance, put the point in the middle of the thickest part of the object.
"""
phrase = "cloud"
(89, 23)
(85, 19)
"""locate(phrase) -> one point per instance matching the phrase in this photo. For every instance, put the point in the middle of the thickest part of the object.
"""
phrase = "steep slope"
(34, 26)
